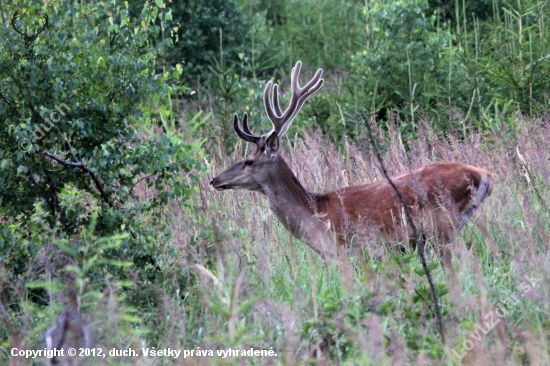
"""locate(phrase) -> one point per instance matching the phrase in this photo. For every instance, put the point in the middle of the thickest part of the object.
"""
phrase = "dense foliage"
(71, 121)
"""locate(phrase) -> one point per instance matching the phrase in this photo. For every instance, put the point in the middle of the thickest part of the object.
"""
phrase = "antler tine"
(245, 126)
(246, 135)
(268, 103)
(276, 103)
(311, 91)
(13, 20)
(281, 121)
(46, 21)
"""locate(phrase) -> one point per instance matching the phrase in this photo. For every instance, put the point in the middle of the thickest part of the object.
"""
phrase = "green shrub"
(71, 133)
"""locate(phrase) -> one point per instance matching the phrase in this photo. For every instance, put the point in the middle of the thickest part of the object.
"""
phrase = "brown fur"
(447, 187)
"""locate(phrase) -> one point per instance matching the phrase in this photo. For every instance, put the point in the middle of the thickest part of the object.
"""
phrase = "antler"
(13, 20)
(246, 135)
(28, 37)
(281, 121)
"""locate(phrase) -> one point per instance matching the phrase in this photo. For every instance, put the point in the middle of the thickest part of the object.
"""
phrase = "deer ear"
(272, 144)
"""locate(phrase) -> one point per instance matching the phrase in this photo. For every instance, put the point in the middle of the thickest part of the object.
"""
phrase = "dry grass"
(250, 285)
(313, 313)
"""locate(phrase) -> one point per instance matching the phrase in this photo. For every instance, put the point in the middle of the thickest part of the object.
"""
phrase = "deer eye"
(248, 162)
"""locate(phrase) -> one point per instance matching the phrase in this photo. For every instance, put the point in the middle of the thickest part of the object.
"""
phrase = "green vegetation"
(113, 119)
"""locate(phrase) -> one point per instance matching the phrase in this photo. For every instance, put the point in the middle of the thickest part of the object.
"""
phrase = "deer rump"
(441, 197)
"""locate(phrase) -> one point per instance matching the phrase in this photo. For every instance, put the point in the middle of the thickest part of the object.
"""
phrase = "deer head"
(255, 170)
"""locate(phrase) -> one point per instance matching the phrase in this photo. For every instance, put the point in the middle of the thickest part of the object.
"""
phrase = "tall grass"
(251, 285)
(261, 288)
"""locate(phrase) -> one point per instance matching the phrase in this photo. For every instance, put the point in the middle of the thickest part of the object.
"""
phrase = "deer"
(442, 196)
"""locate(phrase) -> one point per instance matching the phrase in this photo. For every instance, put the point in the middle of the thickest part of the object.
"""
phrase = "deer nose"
(212, 182)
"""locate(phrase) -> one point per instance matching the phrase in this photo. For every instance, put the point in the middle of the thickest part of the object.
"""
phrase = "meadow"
(269, 290)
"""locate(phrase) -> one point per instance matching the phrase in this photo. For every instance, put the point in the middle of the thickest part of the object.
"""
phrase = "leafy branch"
(81, 165)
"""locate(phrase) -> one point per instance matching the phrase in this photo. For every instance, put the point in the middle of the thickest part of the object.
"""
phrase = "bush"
(71, 139)
(421, 62)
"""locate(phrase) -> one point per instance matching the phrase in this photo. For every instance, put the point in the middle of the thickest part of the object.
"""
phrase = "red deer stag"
(442, 196)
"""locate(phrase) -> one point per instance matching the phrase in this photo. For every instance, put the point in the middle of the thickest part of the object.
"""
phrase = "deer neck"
(293, 205)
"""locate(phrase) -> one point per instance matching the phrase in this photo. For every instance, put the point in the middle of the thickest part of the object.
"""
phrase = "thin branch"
(139, 180)
(417, 238)
(80, 165)
(54, 207)
(96, 180)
